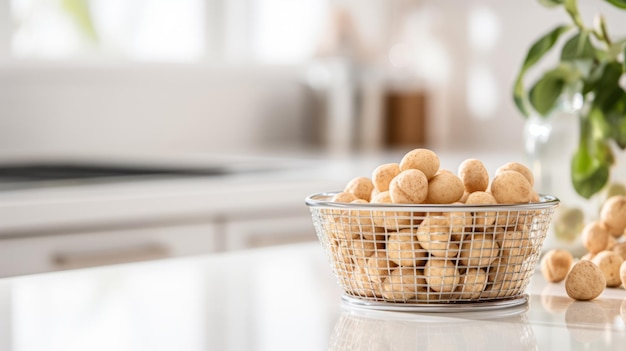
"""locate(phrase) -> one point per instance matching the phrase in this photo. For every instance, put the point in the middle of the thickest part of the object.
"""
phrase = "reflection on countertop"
(278, 298)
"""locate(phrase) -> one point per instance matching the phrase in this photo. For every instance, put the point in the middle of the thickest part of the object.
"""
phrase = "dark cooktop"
(45, 172)
(58, 174)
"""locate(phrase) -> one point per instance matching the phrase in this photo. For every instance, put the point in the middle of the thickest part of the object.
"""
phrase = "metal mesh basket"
(426, 255)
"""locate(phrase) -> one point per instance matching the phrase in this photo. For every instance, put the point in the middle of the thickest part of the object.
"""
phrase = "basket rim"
(323, 200)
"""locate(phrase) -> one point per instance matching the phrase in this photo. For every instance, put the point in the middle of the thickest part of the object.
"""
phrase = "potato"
(409, 187)
(613, 215)
(434, 235)
(585, 281)
(444, 188)
(379, 267)
(622, 277)
(474, 175)
(403, 284)
(472, 283)
(479, 251)
(441, 275)
(404, 249)
(383, 174)
(595, 237)
(518, 167)
(361, 187)
(482, 198)
(555, 265)
(620, 249)
(609, 263)
(425, 160)
(511, 187)
(458, 222)
(344, 196)
(389, 219)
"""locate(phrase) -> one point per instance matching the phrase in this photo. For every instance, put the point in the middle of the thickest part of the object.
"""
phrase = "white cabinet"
(58, 252)
(269, 230)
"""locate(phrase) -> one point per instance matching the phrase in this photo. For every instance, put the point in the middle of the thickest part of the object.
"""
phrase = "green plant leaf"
(79, 11)
(592, 80)
(624, 60)
(543, 45)
(571, 6)
(600, 127)
(618, 3)
(544, 95)
(607, 90)
(589, 175)
(535, 53)
(551, 3)
(578, 47)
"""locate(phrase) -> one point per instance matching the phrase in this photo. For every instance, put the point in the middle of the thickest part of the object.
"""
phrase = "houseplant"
(589, 68)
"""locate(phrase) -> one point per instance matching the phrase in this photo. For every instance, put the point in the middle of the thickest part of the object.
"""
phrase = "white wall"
(70, 109)
(199, 108)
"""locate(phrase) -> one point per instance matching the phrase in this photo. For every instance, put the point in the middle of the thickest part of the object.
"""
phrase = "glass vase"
(550, 143)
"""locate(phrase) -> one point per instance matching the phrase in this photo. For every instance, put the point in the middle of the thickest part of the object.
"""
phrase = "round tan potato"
(404, 249)
(409, 187)
(482, 198)
(588, 256)
(518, 167)
(472, 283)
(609, 263)
(379, 267)
(361, 187)
(344, 196)
(389, 219)
(425, 160)
(511, 187)
(505, 273)
(622, 277)
(383, 174)
(595, 237)
(474, 175)
(458, 222)
(403, 284)
(620, 249)
(441, 275)
(479, 251)
(444, 188)
(555, 265)
(585, 281)
(613, 214)
(434, 235)
(515, 243)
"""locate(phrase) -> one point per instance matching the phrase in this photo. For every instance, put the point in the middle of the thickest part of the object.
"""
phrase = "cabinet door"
(79, 250)
(251, 233)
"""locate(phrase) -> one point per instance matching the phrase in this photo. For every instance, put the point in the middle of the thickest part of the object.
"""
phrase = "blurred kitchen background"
(144, 129)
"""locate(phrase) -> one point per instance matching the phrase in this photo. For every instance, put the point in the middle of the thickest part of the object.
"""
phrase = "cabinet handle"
(71, 260)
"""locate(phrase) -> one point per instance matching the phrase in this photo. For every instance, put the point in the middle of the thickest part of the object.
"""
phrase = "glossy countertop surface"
(279, 298)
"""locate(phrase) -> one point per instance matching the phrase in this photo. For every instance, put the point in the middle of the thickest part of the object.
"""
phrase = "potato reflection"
(586, 321)
(374, 330)
(622, 310)
(555, 304)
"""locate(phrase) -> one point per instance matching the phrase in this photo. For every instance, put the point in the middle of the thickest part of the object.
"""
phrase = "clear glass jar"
(550, 143)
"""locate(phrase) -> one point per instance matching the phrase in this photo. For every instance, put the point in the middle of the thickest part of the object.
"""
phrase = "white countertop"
(279, 298)
(85, 204)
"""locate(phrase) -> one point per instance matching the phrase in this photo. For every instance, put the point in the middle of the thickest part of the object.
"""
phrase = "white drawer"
(251, 233)
(58, 252)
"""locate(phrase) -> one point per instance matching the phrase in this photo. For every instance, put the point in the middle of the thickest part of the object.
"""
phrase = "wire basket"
(391, 256)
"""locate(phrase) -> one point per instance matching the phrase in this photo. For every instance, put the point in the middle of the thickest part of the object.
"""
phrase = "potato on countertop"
(585, 281)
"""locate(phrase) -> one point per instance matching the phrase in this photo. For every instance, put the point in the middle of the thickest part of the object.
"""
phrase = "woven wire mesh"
(431, 253)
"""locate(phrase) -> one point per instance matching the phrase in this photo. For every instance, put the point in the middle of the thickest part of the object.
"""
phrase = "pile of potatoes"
(454, 254)
(604, 265)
